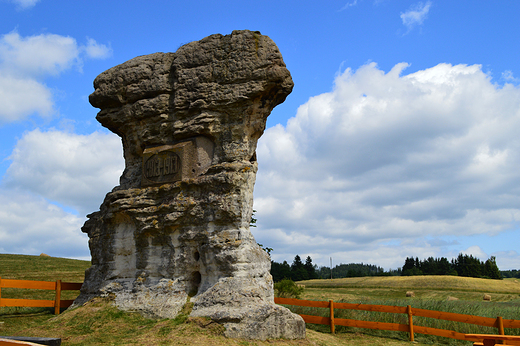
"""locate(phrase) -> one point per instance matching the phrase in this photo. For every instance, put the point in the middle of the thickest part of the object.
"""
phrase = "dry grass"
(442, 282)
(424, 287)
(98, 322)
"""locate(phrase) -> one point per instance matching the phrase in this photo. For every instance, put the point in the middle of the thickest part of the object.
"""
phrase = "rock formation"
(177, 226)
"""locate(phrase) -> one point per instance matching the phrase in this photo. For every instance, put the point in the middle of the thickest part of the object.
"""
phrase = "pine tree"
(298, 272)
(309, 267)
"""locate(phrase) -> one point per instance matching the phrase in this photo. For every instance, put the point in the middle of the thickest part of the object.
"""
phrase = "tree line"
(513, 273)
(463, 265)
(355, 270)
(298, 271)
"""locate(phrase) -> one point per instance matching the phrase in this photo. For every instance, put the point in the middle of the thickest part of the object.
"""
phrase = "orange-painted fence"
(410, 328)
(57, 286)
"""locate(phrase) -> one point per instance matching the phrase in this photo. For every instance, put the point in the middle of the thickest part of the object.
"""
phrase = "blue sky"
(399, 138)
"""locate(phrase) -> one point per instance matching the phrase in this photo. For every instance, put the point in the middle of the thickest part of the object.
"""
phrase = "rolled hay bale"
(452, 298)
(487, 297)
(410, 294)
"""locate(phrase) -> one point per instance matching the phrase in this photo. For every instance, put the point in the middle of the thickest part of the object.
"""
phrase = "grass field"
(424, 287)
(98, 322)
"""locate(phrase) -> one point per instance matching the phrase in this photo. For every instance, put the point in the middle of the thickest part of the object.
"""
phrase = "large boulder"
(177, 226)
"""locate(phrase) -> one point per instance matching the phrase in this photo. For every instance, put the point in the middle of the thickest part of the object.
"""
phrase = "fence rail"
(57, 286)
(410, 328)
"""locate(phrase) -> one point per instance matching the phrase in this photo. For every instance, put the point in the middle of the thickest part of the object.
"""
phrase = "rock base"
(245, 313)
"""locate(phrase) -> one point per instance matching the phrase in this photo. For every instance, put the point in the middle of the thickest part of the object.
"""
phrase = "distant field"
(424, 287)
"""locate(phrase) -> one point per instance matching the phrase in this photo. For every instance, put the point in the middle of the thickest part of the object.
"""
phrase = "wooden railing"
(410, 328)
(57, 286)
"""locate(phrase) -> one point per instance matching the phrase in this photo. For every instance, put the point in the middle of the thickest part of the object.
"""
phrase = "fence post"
(500, 325)
(410, 321)
(331, 305)
(57, 300)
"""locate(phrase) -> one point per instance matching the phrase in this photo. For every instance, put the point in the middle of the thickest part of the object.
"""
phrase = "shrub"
(287, 289)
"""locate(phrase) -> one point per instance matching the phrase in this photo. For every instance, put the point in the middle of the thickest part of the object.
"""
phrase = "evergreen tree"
(280, 271)
(309, 267)
(408, 267)
(491, 270)
(298, 272)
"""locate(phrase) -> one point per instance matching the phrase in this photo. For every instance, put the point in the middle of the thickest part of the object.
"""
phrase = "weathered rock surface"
(177, 226)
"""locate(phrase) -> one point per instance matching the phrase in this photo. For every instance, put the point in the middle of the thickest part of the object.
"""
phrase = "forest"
(463, 265)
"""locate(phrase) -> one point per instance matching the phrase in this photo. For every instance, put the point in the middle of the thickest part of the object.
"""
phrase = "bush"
(287, 289)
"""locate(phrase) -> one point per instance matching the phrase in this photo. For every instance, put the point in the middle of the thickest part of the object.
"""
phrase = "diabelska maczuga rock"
(177, 226)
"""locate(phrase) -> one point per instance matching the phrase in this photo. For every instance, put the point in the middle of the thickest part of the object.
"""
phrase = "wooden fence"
(410, 328)
(57, 286)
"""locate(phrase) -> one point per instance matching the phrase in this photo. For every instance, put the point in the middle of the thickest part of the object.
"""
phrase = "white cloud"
(509, 77)
(507, 259)
(476, 251)
(35, 56)
(25, 4)
(96, 50)
(22, 96)
(416, 14)
(348, 5)
(30, 225)
(26, 61)
(73, 170)
(386, 160)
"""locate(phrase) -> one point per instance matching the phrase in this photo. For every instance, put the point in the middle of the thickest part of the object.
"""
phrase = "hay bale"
(487, 297)
(452, 298)
(410, 294)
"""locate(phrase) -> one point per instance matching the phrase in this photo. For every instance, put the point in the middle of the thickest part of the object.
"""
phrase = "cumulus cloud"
(31, 225)
(387, 161)
(416, 14)
(45, 54)
(22, 96)
(70, 169)
(96, 50)
(26, 61)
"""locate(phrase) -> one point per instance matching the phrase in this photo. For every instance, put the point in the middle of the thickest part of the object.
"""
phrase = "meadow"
(98, 322)
(438, 293)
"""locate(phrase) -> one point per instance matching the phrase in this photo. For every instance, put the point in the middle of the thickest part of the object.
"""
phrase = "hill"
(42, 268)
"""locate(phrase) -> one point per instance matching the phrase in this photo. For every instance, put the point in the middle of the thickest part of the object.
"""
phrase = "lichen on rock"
(177, 226)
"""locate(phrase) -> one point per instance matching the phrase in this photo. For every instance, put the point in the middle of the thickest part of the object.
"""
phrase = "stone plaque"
(163, 167)
(167, 164)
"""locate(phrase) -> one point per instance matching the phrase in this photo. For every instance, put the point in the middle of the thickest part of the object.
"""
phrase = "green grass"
(23, 267)
(98, 322)
(431, 293)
